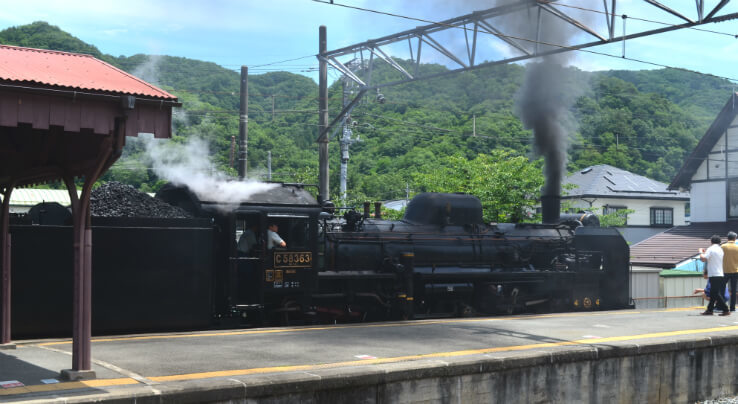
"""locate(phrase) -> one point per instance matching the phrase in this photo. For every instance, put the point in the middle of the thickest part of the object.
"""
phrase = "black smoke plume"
(543, 107)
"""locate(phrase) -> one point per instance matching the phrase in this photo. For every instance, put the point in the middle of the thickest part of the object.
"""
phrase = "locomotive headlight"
(576, 303)
(597, 302)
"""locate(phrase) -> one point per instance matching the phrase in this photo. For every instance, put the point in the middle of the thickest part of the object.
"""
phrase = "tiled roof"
(608, 181)
(665, 250)
(70, 70)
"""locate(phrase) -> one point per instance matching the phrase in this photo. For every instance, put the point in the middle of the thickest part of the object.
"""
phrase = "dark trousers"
(717, 290)
(732, 280)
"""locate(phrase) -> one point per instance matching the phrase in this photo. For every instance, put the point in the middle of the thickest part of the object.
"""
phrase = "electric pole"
(323, 116)
(243, 124)
(346, 139)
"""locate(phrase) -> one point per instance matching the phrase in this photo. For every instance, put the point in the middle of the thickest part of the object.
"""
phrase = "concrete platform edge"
(557, 375)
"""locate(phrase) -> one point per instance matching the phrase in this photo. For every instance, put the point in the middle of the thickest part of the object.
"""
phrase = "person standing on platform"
(730, 265)
(714, 258)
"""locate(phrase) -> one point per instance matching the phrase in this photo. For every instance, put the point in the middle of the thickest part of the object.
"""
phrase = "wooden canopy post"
(82, 244)
(5, 263)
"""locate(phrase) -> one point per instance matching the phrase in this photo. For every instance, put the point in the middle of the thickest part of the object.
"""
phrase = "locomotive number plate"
(293, 259)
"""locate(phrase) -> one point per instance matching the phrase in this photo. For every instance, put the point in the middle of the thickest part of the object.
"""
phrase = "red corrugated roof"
(71, 70)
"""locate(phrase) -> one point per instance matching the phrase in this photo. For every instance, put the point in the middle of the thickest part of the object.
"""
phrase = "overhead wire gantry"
(435, 36)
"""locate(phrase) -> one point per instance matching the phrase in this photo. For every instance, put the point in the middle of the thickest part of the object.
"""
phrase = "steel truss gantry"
(492, 22)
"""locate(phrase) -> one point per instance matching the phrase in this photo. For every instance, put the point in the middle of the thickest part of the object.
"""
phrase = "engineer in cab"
(273, 238)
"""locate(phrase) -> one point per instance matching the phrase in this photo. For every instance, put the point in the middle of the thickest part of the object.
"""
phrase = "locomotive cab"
(256, 280)
(266, 277)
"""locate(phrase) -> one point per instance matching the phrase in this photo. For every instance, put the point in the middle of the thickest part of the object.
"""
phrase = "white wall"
(715, 163)
(707, 202)
(649, 290)
(642, 208)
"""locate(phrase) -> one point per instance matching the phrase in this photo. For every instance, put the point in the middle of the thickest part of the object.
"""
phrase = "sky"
(257, 33)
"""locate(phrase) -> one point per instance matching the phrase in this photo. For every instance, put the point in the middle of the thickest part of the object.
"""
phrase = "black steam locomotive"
(440, 260)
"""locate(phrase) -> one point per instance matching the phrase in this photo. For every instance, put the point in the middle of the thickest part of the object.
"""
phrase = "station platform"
(658, 355)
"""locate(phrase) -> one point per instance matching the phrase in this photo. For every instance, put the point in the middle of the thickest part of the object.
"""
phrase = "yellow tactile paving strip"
(67, 386)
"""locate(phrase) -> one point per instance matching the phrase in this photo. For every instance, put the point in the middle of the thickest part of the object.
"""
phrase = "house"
(605, 189)
(711, 171)
(710, 174)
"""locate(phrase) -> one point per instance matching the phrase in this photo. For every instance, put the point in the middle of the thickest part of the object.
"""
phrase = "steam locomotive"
(441, 259)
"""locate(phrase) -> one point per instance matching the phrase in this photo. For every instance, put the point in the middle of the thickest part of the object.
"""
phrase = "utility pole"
(346, 140)
(272, 107)
(243, 125)
(474, 124)
(323, 116)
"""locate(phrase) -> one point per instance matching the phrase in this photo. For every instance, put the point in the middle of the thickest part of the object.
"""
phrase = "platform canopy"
(57, 108)
(65, 116)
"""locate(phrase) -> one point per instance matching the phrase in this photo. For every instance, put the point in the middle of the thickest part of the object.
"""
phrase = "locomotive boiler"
(443, 259)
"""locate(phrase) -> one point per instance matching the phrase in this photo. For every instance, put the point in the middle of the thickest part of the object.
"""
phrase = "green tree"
(507, 185)
(618, 218)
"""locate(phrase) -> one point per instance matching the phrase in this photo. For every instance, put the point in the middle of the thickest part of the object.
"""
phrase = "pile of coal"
(114, 199)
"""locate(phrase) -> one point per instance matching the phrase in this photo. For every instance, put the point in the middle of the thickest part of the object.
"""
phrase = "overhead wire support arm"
(380, 53)
(417, 62)
(343, 69)
(716, 9)
(473, 51)
(504, 37)
(610, 18)
(572, 21)
(445, 52)
(671, 11)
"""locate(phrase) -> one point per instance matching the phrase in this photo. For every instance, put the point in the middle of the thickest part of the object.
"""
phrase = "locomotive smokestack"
(550, 208)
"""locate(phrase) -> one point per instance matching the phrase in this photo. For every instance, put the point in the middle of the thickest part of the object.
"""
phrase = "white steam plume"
(189, 165)
(150, 71)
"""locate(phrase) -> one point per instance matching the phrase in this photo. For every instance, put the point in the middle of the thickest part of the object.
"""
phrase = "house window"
(662, 217)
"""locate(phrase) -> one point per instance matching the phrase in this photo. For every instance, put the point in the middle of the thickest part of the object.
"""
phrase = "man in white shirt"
(273, 239)
(714, 267)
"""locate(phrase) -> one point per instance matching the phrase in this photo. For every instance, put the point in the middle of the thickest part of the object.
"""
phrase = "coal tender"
(195, 264)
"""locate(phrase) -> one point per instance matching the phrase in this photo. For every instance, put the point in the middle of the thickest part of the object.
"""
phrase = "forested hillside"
(642, 121)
